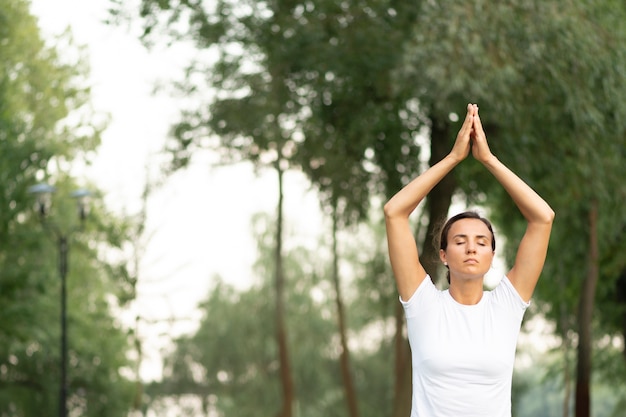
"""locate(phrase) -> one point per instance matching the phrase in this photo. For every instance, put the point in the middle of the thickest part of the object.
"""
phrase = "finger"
(470, 112)
(469, 117)
(478, 126)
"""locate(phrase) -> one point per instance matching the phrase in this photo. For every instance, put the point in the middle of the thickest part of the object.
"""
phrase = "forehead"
(469, 227)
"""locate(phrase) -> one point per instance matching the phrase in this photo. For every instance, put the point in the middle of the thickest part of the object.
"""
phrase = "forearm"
(534, 208)
(406, 200)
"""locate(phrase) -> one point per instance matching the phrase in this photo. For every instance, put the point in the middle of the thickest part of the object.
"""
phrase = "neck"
(468, 292)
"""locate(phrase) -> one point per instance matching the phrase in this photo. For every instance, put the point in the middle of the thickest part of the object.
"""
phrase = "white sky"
(200, 221)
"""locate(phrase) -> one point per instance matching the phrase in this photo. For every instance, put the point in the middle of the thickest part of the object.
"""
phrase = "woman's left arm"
(533, 247)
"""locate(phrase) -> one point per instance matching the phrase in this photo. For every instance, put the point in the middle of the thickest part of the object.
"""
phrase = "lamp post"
(44, 199)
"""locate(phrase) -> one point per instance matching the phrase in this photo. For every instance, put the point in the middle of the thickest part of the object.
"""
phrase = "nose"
(471, 248)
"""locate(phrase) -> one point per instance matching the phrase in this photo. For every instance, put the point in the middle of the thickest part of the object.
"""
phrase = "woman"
(463, 339)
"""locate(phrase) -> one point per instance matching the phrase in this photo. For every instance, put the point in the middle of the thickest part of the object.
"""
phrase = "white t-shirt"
(463, 355)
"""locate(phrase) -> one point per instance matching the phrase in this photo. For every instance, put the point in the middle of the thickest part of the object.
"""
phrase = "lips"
(470, 261)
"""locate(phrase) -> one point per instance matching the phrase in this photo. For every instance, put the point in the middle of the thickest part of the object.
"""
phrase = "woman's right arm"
(403, 254)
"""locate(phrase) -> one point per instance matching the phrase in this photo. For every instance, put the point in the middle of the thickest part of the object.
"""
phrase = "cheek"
(455, 252)
(489, 254)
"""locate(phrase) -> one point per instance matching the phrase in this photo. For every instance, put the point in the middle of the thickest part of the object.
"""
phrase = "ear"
(442, 256)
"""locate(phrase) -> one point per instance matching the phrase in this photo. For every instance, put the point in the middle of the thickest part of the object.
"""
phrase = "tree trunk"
(344, 357)
(438, 205)
(439, 199)
(281, 331)
(567, 345)
(620, 296)
(585, 313)
(402, 394)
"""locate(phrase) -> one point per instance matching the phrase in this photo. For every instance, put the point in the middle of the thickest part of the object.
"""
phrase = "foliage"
(543, 394)
(230, 361)
(45, 124)
(289, 90)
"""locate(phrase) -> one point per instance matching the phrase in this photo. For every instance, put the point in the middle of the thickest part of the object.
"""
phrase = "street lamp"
(44, 200)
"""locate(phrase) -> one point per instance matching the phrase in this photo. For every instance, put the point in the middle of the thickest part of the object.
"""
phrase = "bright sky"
(199, 223)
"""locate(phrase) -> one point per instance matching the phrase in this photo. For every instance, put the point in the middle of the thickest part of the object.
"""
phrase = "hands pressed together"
(471, 137)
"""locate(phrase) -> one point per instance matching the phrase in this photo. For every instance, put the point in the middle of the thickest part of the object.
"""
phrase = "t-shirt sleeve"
(506, 295)
(425, 294)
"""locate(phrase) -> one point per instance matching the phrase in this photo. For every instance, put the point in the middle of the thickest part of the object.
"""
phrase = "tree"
(253, 118)
(38, 140)
(244, 377)
(290, 95)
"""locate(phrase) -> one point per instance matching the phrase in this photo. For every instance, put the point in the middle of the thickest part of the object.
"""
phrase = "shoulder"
(424, 296)
(505, 294)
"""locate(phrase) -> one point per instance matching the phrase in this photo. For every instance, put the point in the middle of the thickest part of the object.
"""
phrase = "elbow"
(541, 215)
(548, 216)
(397, 209)
(391, 210)
(394, 212)
(388, 209)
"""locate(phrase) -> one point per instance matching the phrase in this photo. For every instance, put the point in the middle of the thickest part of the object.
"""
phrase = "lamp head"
(82, 201)
(43, 192)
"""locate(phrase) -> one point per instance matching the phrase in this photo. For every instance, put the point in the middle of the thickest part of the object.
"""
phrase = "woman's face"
(468, 254)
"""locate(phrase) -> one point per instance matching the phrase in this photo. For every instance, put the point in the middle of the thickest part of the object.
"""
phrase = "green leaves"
(44, 119)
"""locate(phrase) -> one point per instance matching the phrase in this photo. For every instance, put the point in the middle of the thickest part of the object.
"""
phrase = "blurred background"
(230, 160)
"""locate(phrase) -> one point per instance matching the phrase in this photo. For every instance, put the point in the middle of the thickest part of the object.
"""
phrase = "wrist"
(490, 161)
(453, 159)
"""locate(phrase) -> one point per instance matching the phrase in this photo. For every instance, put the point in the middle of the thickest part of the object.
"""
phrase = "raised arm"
(403, 253)
(533, 247)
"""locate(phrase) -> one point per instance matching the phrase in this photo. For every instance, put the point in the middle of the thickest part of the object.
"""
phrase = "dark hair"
(443, 237)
